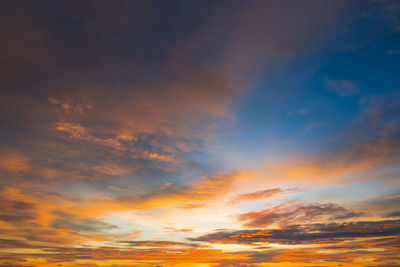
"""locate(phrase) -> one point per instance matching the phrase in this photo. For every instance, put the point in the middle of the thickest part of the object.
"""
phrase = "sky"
(200, 133)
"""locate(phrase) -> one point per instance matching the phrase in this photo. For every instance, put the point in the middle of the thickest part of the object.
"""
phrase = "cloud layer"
(208, 133)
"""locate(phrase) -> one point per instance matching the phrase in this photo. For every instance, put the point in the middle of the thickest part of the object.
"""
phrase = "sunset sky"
(200, 133)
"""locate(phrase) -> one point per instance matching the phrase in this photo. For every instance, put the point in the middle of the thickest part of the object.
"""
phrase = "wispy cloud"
(261, 194)
(341, 87)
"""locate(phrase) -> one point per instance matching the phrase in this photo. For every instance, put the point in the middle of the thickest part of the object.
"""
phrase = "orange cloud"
(200, 190)
(261, 194)
(176, 230)
(76, 130)
(14, 162)
(297, 213)
(329, 167)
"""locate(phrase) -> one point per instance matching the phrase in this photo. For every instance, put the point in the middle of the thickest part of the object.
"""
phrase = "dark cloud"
(88, 226)
(347, 215)
(382, 205)
(17, 205)
(14, 211)
(329, 236)
(392, 214)
(308, 233)
(118, 87)
(86, 87)
(289, 214)
(15, 218)
(15, 243)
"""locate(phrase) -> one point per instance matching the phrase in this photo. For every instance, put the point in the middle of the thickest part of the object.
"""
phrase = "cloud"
(297, 213)
(76, 120)
(77, 92)
(53, 219)
(341, 87)
(16, 211)
(90, 226)
(191, 206)
(308, 233)
(348, 215)
(380, 205)
(300, 112)
(370, 155)
(108, 111)
(303, 111)
(176, 230)
(109, 256)
(75, 130)
(201, 190)
(15, 218)
(74, 227)
(370, 145)
(19, 165)
(388, 12)
(261, 194)
(160, 244)
(14, 162)
(393, 214)
(379, 114)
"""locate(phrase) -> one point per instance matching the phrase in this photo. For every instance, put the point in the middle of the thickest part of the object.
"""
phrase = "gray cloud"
(307, 233)
(289, 214)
